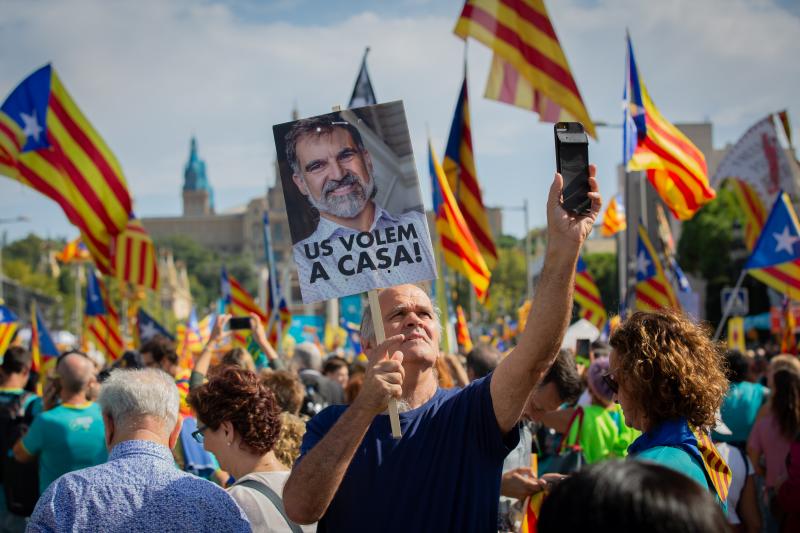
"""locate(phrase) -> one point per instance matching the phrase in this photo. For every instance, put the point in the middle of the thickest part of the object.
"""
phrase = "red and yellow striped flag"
(532, 511)
(60, 154)
(8, 327)
(242, 304)
(74, 251)
(717, 469)
(587, 296)
(135, 259)
(653, 290)
(675, 166)
(462, 331)
(785, 277)
(459, 167)
(460, 251)
(102, 324)
(614, 219)
(529, 68)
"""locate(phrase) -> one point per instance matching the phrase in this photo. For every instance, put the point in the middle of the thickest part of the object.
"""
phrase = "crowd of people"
(658, 430)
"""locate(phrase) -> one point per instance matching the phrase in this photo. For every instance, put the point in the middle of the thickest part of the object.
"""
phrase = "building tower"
(198, 196)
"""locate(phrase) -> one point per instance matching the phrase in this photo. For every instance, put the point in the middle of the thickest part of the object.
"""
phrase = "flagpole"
(729, 306)
(273, 279)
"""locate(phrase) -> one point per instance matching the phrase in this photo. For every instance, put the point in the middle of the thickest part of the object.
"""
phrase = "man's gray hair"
(128, 396)
(321, 125)
(367, 331)
(307, 355)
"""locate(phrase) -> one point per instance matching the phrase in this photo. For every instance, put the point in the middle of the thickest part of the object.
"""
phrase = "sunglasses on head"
(611, 383)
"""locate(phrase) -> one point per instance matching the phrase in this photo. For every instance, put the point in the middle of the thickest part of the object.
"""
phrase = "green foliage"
(204, 266)
(603, 268)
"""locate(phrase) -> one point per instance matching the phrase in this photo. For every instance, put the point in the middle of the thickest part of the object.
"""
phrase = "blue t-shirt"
(442, 475)
(739, 410)
(66, 438)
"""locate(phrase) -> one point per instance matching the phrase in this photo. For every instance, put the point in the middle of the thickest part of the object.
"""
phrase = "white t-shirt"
(260, 511)
(736, 461)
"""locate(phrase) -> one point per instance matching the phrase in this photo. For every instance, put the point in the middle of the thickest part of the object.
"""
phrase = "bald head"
(407, 310)
(76, 372)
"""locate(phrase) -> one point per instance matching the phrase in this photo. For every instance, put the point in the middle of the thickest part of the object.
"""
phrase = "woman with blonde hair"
(669, 378)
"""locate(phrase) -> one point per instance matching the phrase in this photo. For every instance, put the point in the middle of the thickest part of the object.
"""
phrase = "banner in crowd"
(353, 201)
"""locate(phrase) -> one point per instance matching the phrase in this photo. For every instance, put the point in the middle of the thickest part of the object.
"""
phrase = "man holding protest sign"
(356, 245)
(444, 474)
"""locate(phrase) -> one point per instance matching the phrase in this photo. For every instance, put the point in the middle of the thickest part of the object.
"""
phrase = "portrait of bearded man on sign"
(355, 244)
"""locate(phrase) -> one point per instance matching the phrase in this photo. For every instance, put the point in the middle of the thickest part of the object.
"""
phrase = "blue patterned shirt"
(138, 489)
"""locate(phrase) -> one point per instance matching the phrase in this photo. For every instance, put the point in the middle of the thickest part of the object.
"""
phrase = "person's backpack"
(20, 480)
(314, 401)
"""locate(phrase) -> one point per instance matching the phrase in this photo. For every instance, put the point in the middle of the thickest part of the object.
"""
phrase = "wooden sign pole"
(380, 336)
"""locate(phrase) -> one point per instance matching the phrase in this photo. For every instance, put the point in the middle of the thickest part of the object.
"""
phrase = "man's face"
(407, 309)
(334, 174)
(543, 399)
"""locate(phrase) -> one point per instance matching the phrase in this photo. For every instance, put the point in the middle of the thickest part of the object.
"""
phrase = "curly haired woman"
(669, 378)
(239, 422)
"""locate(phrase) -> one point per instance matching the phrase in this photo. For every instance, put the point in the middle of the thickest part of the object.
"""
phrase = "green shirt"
(603, 433)
(676, 459)
(66, 438)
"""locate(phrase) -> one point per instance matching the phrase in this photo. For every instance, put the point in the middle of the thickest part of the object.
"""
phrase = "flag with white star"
(779, 241)
(149, 328)
(653, 290)
(47, 144)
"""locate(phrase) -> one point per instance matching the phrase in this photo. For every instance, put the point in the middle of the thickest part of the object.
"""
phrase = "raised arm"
(316, 478)
(203, 361)
(524, 367)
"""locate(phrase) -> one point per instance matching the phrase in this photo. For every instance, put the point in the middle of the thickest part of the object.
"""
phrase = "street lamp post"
(20, 218)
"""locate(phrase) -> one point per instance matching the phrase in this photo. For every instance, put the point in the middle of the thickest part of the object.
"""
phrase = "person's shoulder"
(666, 455)
(328, 416)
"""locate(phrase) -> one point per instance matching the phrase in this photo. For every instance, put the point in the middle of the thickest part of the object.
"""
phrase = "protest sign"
(354, 203)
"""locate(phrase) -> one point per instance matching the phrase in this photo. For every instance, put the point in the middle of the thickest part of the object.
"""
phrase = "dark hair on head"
(564, 375)
(237, 396)
(630, 495)
(317, 126)
(785, 401)
(287, 387)
(736, 366)
(333, 364)
(16, 360)
(669, 366)
(160, 348)
(238, 357)
(483, 359)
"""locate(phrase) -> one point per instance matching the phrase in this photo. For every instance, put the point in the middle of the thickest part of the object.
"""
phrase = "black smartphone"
(239, 322)
(572, 162)
(582, 347)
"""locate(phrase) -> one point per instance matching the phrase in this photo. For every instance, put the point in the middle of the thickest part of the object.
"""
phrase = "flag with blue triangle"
(779, 241)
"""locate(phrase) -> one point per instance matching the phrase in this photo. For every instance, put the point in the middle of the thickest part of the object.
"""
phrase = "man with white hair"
(139, 488)
(444, 473)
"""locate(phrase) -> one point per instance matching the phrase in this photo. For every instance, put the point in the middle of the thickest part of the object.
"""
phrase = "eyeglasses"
(611, 383)
(198, 434)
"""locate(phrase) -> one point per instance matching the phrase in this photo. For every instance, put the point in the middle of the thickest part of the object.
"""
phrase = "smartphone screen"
(572, 159)
(582, 347)
(239, 322)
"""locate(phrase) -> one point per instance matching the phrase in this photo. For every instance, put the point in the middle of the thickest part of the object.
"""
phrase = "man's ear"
(175, 433)
(108, 424)
(300, 183)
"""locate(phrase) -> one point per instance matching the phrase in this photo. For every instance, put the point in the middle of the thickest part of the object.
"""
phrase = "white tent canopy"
(582, 329)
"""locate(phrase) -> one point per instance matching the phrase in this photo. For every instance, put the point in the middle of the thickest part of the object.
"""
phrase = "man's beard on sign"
(348, 205)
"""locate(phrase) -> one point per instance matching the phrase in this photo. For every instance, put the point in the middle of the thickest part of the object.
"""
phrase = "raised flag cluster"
(459, 167)
(653, 290)
(239, 303)
(47, 144)
(675, 167)
(587, 296)
(614, 219)
(529, 68)
(460, 250)
(102, 325)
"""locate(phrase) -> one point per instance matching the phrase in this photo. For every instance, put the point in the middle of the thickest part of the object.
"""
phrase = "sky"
(151, 74)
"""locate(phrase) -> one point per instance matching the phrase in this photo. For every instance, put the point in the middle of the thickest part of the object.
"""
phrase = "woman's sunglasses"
(611, 383)
(198, 434)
